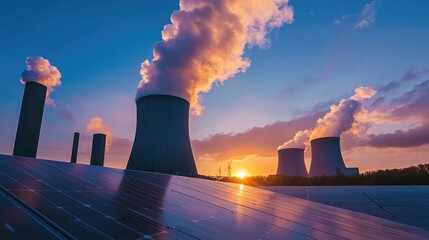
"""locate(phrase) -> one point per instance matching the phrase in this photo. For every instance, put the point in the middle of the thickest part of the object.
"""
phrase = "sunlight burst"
(241, 174)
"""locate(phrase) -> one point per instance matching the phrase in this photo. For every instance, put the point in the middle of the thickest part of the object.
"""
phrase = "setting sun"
(241, 174)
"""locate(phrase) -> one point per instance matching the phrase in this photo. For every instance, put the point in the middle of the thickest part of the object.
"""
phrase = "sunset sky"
(316, 57)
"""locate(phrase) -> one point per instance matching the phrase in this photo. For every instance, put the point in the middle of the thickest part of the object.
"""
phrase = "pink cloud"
(257, 141)
(41, 71)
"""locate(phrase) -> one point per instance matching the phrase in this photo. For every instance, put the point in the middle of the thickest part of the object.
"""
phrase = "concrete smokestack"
(291, 162)
(326, 158)
(162, 141)
(30, 120)
(98, 149)
(75, 147)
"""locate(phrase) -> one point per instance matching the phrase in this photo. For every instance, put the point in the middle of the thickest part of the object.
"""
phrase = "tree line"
(414, 175)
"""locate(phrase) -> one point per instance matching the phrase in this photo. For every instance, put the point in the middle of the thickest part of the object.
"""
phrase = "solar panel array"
(49, 199)
(408, 204)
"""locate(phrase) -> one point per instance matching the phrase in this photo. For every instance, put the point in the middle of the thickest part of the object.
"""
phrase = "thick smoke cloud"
(97, 125)
(342, 116)
(205, 44)
(41, 71)
(349, 114)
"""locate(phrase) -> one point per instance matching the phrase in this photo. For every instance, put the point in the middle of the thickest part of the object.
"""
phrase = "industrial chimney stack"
(326, 158)
(30, 120)
(291, 162)
(98, 149)
(75, 147)
(162, 141)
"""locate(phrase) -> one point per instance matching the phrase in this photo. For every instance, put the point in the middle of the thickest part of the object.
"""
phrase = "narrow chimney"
(30, 120)
(75, 147)
(98, 149)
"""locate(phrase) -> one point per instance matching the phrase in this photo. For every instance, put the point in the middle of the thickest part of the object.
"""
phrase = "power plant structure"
(98, 149)
(291, 162)
(75, 147)
(162, 143)
(326, 158)
(30, 120)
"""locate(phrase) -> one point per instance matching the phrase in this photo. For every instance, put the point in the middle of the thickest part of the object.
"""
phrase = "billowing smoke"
(342, 116)
(348, 115)
(41, 71)
(300, 140)
(205, 44)
(97, 125)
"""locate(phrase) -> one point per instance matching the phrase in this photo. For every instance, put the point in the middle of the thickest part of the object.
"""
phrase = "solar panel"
(408, 204)
(80, 201)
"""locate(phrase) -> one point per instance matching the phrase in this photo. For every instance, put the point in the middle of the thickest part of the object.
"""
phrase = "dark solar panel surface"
(91, 202)
(408, 204)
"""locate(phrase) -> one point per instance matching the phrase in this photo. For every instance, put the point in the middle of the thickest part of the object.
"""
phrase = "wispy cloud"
(401, 139)
(341, 20)
(324, 75)
(411, 106)
(65, 113)
(258, 141)
(411, 74)
(367, 16)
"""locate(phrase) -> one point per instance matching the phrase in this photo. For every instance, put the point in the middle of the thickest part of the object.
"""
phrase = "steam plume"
(97, 125)
(349, 113)
(300, 140)
(41, 71)
(205, 43)
(342, 116)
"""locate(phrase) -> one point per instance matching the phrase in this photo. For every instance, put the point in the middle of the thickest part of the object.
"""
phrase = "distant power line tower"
(219, 171)
(228, 169)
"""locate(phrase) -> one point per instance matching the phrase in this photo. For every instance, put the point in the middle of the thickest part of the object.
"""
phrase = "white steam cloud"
(205, 43)
(342, 116)
(300, 140)
(349, 114)
(41, 71)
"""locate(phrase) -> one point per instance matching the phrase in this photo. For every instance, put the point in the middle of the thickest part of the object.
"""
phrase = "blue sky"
(98, 47)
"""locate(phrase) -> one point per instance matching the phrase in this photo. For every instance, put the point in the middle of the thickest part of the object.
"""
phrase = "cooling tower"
(30, 120)
(75, 147)
(291, 162)
(326, 158)
(161, 143)
(98, 149)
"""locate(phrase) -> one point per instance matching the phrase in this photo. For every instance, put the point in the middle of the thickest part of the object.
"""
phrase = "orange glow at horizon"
(241, 174)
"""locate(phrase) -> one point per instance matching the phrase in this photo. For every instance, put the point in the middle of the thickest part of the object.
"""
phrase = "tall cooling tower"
(30, 120)
(291, 162)
(326, 158)
(162, 141)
